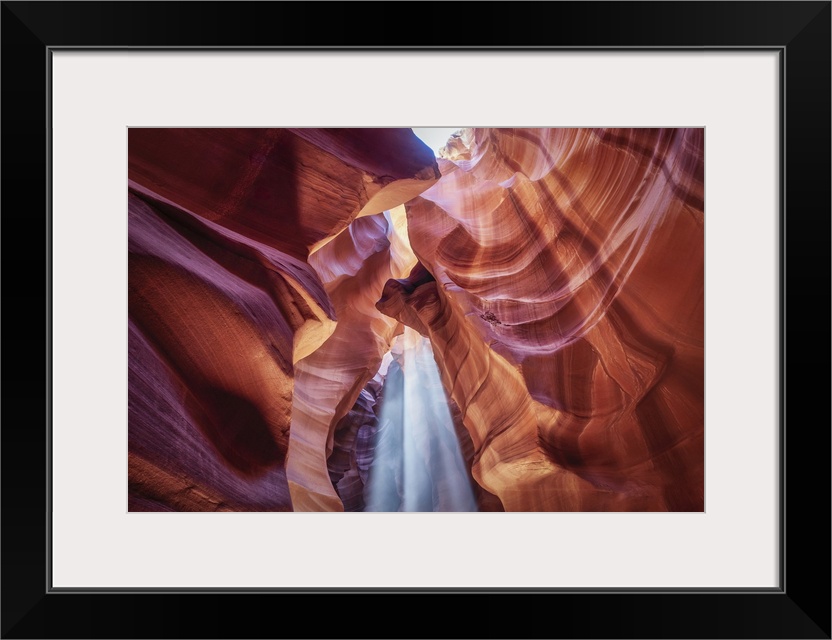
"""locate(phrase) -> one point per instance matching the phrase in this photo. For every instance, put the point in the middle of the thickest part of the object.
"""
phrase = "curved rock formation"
(354, 267)
(567, 313)
(558, 273)
(354, 461)
(354, 448)
(224, 302)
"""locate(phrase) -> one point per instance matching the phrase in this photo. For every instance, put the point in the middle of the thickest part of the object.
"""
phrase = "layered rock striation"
(561, 282)
(229, 318)
(558, 274)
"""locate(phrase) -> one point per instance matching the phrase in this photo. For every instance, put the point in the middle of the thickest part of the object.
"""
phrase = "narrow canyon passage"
(340, 320)
(417, 462)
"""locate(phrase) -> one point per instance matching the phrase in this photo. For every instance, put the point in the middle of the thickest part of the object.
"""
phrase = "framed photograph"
(500, 302)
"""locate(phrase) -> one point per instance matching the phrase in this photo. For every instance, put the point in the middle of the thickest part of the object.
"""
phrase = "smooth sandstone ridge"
(230, 322)
(558, 273)
(561, 281)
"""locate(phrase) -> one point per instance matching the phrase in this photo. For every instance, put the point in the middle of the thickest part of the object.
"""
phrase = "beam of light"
(417, 465)
(435, 137)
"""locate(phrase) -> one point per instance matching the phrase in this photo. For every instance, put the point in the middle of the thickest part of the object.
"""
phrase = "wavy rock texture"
(558, 273)
(562, 286)
(223, 301)
(357, 436)
(354, 268)
(354, 447)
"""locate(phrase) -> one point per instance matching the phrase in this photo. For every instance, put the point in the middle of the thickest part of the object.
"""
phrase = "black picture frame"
(799, 608)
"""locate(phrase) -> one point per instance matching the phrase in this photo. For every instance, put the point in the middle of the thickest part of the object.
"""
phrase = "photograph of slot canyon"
(416, 320)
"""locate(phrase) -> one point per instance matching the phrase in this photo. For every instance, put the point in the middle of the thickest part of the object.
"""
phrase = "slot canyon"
(346, 320)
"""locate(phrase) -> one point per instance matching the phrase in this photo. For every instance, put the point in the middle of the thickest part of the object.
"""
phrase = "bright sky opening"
(435, 137)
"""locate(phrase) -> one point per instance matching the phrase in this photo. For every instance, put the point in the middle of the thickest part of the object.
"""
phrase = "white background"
(98, 95)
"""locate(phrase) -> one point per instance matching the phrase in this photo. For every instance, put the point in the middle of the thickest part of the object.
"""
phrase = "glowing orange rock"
(567, 312)
(224, 303)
